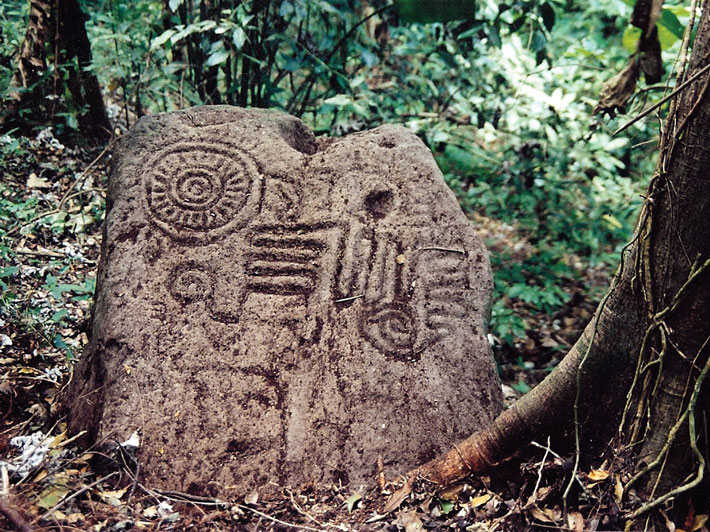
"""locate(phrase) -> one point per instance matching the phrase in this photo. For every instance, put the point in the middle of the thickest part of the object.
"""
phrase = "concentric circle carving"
(197, 189)
(191, 282)
(390, 329)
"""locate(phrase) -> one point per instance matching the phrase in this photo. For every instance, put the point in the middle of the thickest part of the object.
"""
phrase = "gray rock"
(276, 308)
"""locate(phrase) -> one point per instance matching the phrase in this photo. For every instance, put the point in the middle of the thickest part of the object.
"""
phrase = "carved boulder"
(276, 309)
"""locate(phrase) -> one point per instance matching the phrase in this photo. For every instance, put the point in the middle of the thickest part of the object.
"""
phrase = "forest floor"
(51, 204)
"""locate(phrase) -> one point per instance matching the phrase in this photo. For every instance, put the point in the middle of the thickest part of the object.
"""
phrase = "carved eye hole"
(379, 203)
(191, 282)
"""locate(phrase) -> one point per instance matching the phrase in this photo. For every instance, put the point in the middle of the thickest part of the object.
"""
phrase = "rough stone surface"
(272, 307)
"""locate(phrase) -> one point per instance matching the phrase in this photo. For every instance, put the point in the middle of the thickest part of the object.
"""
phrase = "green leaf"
(426, 11)
(446, 506)
(521, 386)
(161, 39)
(339, 100)
(217, 58)
(517, 23)
(538, 42)
(631, 38)
(353, 501)
(669, 21)
(239, 37)
(174, 4)
(9, 271)
(665, 37)
(59, 315)
(59, 343)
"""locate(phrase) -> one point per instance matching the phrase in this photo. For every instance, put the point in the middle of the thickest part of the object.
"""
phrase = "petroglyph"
(285, 259)
(194, 189)
(391, 329)
(446, 302)
(291, 307)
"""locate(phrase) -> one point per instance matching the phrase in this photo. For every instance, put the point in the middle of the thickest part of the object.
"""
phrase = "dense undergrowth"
(503, 101)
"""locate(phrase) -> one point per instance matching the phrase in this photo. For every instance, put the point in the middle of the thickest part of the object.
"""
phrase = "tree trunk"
(638, 368)
(56, 30)
(83, 84)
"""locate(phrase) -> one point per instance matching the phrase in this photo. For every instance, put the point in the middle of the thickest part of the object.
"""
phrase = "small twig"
(275, 520)
(542, 465)
(351, 298)
(434, 248)
(68, 441)
(39, 253)
(14, 516)
(663, 100)
(74, 495)
(302, 511)
(5, 487)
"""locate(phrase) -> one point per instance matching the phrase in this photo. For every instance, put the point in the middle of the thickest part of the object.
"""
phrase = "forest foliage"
(504, 99)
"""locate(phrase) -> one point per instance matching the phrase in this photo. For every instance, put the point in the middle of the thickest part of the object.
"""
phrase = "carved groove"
(191, 282)
(194, 188)
(285, 260)
(390, 329)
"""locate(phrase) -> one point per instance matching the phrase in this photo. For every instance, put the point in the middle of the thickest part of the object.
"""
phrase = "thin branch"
(14, 516)
(275, 520)
(663, 100)
(74, 495)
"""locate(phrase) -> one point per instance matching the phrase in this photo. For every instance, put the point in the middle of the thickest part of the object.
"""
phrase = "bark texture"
(55, 44)
(643, 352)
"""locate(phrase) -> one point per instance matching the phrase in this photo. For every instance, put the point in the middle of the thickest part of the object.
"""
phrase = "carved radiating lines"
(352, 273)
(195, 189)
(445, 303)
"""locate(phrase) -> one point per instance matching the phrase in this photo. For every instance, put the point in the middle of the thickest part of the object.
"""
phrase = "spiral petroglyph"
(191, 282)
(196, 189)
(390, 329)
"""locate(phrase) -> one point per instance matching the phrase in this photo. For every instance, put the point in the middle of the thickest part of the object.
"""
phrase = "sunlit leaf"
(615, 223)
(217, 58)
(669, 21)
(598, 474)
(353, 501)
(631, 38)
(480, 500)
(239, 37)
(174, 4)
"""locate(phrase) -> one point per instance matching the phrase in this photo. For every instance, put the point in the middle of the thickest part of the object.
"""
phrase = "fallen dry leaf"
(575, 521)
(252, 498)
(480, 500)
(410, 521)
(618, 490)
(541, 516)
(699, 522)
(37, 182)
(598, 474)
(399, 496)
(452, 493)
